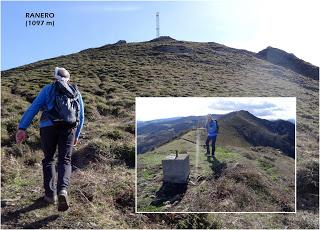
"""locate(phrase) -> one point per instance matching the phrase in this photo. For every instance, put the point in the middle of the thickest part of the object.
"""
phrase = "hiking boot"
(50, 199)
(63, 201)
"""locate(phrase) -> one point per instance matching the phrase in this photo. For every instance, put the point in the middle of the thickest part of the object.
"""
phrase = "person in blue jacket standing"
(52, 135)
(212, 131)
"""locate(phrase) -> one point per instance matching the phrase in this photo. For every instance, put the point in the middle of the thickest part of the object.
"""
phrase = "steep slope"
(290, 61)
(110, 77)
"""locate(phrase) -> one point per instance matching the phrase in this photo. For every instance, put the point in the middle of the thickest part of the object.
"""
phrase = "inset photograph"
(223, 154)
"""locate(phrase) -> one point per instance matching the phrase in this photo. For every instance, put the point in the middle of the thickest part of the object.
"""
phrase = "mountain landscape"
(103, 179)
(151, 134)
(257, 154)
(238, 129)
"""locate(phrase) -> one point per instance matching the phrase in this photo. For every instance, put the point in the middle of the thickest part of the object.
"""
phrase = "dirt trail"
(197, 152)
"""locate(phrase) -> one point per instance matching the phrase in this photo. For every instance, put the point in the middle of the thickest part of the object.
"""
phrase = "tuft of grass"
(193, 221)
(308, 186)
(124, 151)
(20, 182)
(269, 168)
(113, 135)
(147, 174)
(265, 165)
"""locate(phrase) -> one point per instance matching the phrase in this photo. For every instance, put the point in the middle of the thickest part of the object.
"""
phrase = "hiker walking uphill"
(212, 130)
(60, 125)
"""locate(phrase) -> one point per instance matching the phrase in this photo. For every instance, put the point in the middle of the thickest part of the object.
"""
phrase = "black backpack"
(66, 109)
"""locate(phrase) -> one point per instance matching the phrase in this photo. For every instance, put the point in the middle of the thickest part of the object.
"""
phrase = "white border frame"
(295, 167)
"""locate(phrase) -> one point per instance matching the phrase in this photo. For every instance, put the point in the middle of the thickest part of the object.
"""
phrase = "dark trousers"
(213, 144)
(51, 137)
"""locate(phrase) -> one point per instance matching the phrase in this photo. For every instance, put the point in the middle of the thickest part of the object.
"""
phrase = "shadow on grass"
(13, 216)
(41, 223)
(169, 192)
(216, 166)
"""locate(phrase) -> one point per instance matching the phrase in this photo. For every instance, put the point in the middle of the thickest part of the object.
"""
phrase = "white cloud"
(150, 108)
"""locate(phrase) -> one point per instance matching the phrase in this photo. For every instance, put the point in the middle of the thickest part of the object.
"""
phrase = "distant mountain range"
(239, 128)
(142, 123)
(152, 134)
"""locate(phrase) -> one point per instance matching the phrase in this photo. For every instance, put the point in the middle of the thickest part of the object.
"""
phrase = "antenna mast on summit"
(157, 24)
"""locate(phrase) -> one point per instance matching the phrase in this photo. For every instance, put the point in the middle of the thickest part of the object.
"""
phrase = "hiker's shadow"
(169, 192)
(41, 223)
(15, 215)
(216, 166)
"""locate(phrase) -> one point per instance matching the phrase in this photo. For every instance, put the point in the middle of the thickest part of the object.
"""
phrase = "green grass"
(151, 208)
(20, 182)
(152, 159)
(264, 164)
(117, 74)
(206, 167)
(230, 174)
(269, 168)
(155, 157)
(225, 155)
(147, 175)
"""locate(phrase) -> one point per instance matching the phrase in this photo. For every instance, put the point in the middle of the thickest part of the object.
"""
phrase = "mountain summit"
(290, 61)
(244, 129)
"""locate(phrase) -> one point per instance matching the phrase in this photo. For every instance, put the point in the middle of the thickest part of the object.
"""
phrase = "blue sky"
(270, 108)
(247, 24)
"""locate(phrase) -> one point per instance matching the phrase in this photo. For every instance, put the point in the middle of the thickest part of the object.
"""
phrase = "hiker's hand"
(21, 135)
(76, 140)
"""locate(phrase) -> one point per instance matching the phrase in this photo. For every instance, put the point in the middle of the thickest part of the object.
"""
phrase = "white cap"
(61, 74)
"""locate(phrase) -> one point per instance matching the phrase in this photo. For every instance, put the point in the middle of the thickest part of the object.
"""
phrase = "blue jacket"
(45, 102)
(212, 128)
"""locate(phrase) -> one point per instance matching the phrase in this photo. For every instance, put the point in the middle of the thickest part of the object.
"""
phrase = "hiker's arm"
(33, 110)
(81, 117)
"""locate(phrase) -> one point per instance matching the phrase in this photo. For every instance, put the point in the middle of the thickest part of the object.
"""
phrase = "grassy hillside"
(239, 179)
(244, 129)
(109, 77)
